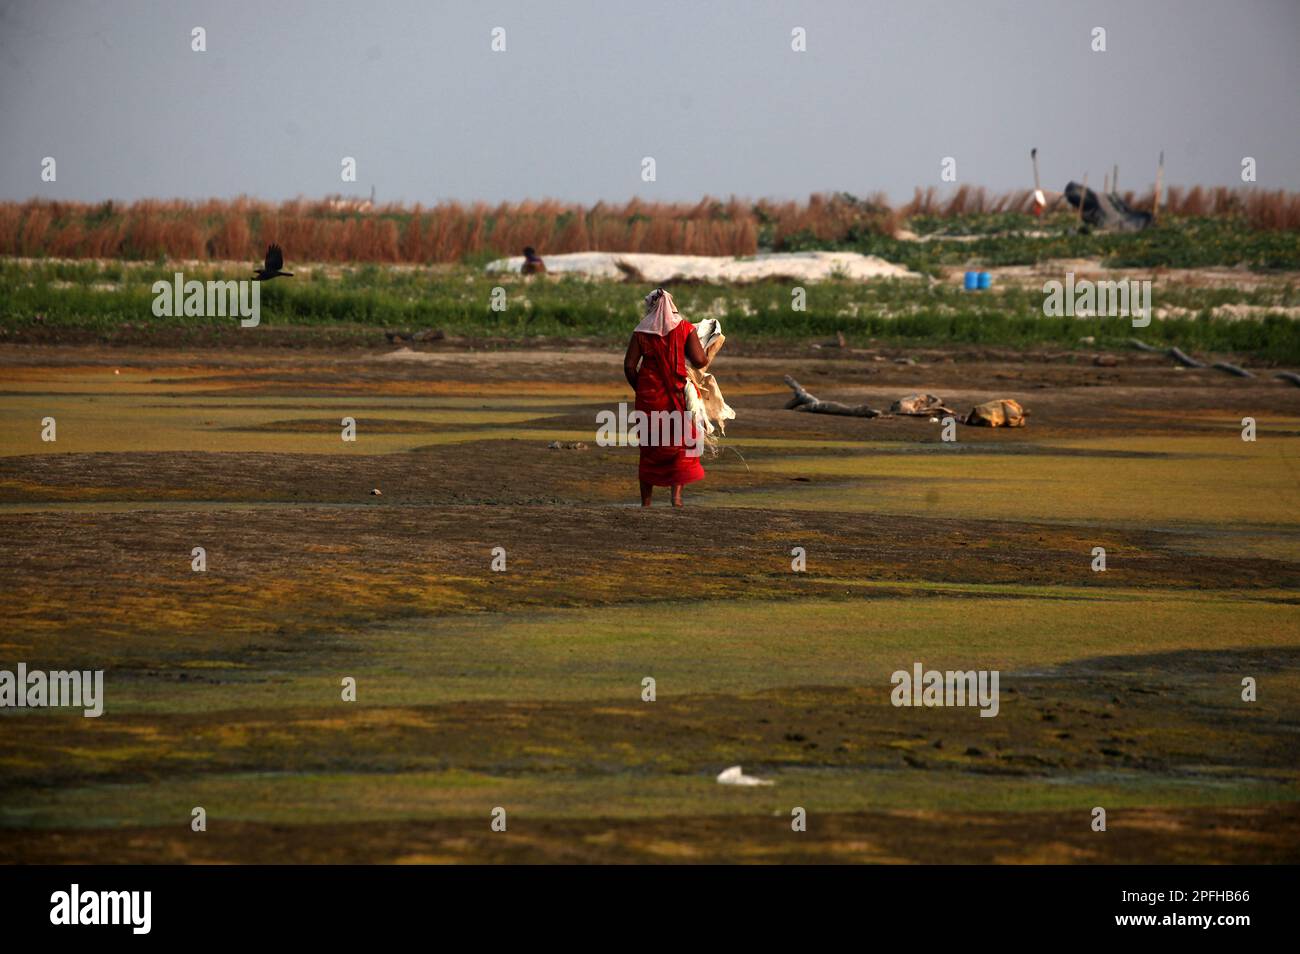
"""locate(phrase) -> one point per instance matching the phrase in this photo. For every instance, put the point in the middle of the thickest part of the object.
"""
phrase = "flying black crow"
(274, 262)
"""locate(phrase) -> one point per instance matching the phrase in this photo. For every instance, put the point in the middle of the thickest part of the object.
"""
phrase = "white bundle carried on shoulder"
(704, 399)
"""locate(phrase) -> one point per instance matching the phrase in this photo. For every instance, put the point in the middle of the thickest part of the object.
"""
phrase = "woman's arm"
(695, 351)
(632, 359)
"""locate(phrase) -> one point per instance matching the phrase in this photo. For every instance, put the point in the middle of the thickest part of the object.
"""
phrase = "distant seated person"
(533, 264)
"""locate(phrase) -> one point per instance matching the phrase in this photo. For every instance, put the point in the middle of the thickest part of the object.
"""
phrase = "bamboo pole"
(1160, 182)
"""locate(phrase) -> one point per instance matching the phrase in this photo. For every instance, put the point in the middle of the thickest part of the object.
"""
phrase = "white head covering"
(661, 315)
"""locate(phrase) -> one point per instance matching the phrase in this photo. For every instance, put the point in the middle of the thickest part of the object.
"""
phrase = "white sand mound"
(801, 266)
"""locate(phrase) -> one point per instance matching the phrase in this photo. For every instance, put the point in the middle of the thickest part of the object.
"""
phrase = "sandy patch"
(802, 266)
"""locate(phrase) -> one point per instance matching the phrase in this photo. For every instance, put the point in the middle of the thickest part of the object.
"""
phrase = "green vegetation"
(525, 689)
(1017, 239)
(108, 298)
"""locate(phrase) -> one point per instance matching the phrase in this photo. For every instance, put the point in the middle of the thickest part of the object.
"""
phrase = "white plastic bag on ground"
(734, 776)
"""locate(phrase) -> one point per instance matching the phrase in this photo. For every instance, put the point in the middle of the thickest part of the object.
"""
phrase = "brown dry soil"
(523, 689)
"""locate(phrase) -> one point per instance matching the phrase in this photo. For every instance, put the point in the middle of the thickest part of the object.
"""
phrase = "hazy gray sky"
(586, 88)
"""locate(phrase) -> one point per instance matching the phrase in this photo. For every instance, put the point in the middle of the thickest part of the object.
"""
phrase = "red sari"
(659, 386)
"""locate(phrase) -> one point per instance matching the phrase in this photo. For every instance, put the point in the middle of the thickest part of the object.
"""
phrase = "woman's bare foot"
(647, 493)
(677, 495)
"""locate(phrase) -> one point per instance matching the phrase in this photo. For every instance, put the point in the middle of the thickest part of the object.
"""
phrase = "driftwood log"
(1233, 369)
(803, 401)
(1185, 360)
(1182, 358)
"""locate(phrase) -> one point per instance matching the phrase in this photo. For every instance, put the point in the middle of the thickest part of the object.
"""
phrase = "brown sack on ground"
(919, 405)
(1001, 413)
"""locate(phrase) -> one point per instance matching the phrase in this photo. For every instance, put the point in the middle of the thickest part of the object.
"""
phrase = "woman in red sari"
(655, 366)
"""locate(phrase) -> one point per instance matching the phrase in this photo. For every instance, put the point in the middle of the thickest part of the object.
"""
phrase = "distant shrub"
(338, 230)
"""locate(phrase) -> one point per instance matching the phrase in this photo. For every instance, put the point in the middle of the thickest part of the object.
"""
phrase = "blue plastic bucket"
(985, 280)
(972, 281)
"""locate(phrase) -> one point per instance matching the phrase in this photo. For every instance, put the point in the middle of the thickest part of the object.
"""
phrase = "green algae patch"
(1172, 481)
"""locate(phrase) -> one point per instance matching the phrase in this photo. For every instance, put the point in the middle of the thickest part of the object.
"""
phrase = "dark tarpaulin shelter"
(1106, 211)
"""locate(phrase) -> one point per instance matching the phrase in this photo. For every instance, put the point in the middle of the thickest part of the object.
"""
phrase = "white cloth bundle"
(703, 396)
